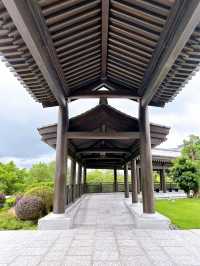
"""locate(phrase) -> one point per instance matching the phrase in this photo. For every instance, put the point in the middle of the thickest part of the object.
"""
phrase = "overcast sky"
(20, 116)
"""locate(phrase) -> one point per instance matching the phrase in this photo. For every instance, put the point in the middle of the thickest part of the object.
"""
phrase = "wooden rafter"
(123, 42)
(104, 41)
(180, 32)
(34, 34)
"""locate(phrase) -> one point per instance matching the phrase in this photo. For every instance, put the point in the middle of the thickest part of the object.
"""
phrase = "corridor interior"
(103, 210)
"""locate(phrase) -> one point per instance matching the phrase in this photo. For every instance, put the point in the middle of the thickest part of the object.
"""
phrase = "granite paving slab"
(108, 242)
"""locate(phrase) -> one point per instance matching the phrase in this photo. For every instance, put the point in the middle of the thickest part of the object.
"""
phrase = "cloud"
(28, 162)
(20, 117)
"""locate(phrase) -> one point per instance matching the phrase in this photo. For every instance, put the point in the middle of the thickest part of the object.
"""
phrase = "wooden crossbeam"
(92, 135)
(25, 15)
(102, 159)
(113, 91)
(102, 135)
(187, 18)
(104, 45)
(103, 150)
(106, 94)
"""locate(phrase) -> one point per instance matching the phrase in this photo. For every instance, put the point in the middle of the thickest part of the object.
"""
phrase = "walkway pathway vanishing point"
(103, 234)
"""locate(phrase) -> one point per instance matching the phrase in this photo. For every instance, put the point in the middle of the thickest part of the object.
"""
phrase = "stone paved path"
(99, 240)
(103, 211)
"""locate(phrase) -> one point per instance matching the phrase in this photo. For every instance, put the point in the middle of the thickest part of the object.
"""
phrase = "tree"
(104, 176)
(186, 168)
(11, 178)
(191, 148)
(186, 173)
(41, 172)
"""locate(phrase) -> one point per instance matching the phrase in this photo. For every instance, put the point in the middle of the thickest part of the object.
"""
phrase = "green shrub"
(3, 187)
(10, 202)
(29, 208)
(49, 184)
(8, 221)
(45, 193)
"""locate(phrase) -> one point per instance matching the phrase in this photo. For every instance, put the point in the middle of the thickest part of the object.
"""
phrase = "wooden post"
(79, 179)
(138, 180)
(162, 177)
(115, 180)
(161, 180)
(126, 184)
(134, 181)
(61, 160)
(73, 178)
(146, 161)
(84, 179)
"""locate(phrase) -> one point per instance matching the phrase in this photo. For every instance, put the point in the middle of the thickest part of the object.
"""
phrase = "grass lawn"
(9, 222)
(184, 213)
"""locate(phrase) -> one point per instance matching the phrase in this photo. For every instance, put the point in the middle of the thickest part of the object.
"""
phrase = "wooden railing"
(106, 188)
(110, 187)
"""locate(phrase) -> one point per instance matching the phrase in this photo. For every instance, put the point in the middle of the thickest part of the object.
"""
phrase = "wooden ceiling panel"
(121, 41)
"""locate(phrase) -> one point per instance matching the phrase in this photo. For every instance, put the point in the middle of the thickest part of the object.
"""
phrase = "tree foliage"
(186, 173)
(41, 172)
(11, 178)
(103, 176)
(186, 168)
(191, 148)
(14, 179)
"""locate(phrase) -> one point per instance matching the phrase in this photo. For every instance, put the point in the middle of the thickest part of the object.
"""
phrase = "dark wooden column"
(73, 179)
(84, 179)
(161, 180)
(146, 161)
(61, 161)
(162, 177)
(79, 179)
(134, 181)
(138, 180)
(115, 180)
(126, 184)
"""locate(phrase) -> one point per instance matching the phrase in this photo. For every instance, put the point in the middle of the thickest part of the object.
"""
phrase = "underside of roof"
(104, 153)
(70, 49)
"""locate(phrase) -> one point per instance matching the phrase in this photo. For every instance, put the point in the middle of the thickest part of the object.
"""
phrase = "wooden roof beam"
(26, 17)
(112, 90)
(102, 159)
(102, 135)
(104, 38)
(187, 18)
(105, 94)
(103, 150)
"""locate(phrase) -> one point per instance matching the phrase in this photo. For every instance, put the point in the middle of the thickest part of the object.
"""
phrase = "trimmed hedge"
(29, 208)
(45, 193)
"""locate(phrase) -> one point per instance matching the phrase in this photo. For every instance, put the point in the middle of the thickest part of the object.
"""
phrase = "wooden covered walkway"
(142, 50)
(102, 138)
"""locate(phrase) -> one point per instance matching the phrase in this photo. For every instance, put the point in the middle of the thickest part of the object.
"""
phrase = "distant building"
(161, 161)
